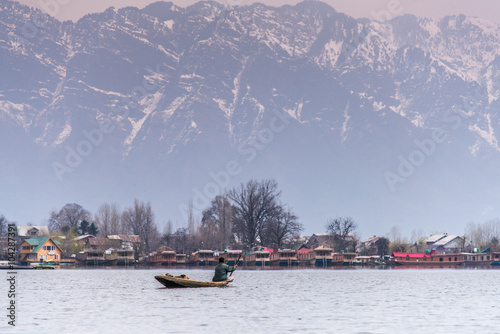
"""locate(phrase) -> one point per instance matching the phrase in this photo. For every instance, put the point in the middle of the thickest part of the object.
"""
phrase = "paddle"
(236, 265)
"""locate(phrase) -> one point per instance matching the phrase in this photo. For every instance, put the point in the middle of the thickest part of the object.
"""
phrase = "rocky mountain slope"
(392, 123)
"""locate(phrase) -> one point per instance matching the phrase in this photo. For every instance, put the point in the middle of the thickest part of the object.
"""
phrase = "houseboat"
(96, 257)
(284, 257)
(343, 259)
(495, 256)
(125, 257)
(427, 259)
(477, 259)
(321, 256)
(165, 256)
(304, 256)
(202, 258)
(181, 259)
(231, 256)
(259, 256)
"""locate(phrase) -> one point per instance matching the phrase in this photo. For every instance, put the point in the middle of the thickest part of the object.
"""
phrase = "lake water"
(259, 301)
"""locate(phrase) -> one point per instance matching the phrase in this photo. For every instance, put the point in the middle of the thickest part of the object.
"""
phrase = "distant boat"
(284, 257)
(183, 281)
(202, 258)
(426, 259)
(259, 256)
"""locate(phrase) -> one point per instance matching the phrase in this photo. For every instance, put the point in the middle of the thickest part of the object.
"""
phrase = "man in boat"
(221, 271)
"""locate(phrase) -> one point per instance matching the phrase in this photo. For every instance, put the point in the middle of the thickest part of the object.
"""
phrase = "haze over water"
(259, 301)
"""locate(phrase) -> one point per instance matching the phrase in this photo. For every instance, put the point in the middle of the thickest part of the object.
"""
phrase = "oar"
(236, 265)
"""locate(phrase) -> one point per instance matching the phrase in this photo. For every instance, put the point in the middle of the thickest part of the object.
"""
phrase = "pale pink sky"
(379, 9)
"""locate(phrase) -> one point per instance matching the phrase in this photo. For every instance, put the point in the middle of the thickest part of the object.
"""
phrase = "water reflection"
(356, 300)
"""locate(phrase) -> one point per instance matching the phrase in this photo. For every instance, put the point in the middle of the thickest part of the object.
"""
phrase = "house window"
(44, 247)
(440, 259)
(449, 259)
(407, 257)
(455, 258)
(57, 257)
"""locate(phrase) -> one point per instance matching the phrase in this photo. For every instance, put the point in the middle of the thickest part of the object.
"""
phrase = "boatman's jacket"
(221, 272)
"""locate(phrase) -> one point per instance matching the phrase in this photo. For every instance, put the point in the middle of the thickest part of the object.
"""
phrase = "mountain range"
(391, 123)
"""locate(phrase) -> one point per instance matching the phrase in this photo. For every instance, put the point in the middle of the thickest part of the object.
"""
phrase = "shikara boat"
(183, 281)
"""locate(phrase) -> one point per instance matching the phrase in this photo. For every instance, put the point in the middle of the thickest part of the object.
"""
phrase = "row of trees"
(73, 220)
(245, 216)
(248, 215)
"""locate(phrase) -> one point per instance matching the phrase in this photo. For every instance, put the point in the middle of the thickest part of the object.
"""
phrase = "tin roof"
(435, 237)
(445, 240)
(124, 237)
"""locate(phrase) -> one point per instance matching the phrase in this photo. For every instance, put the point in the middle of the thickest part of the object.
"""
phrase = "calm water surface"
(259, 301)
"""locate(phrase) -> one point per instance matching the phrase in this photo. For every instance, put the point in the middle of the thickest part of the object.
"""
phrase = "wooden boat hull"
(170, 281)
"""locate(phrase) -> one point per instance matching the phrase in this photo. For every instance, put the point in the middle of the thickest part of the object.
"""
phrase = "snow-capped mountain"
(392, 123)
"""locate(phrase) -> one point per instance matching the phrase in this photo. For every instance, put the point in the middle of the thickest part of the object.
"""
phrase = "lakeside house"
(319, 239)
(26, 232)
(284, 257)
(203, 257)
(320, 256)
(370, 245)
(181, 259)
(231, 256)
(111, 250)
(164, 256)
(40, 249)
(259, 256)
(343, 258)
(444, 243)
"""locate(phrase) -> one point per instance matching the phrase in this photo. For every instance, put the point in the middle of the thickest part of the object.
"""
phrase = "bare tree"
(220, 217)
(191, 221)
(108, 219)
(181, 241)
(342, 230)
(254, 205)
(398, 242)
(168, 233)
(68, 218)
(139, 220)
(284, 225)
(482, 235)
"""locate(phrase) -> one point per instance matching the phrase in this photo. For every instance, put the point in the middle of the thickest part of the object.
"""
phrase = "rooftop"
(446, 240)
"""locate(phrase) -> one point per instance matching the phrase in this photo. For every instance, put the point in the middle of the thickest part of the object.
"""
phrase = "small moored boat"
(183, 281)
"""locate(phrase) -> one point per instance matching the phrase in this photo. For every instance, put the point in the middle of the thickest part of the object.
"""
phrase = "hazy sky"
(380, 9)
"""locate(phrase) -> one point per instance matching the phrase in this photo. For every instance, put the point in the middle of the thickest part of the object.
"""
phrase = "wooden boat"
(183, 281)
